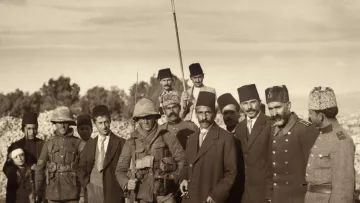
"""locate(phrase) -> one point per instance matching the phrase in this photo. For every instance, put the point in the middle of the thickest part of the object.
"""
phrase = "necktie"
(250, 125)
(100, 163)
(201, 137)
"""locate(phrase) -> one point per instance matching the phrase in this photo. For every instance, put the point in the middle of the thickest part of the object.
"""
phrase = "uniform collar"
(291, 122)
(326, 129)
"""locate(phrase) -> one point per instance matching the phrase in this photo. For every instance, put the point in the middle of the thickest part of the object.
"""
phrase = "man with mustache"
(253, 133)
(289, 150)
(99, 160)
(59, 159)
(230, 109)
(181, 129)
(154, 154)
(166, 80)
(210, 167)
(330, 171)
(189, 97)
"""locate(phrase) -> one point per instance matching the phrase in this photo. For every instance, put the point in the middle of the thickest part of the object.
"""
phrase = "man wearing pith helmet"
(330, 171)
(254, 133)
(58, 162)
(291, 142)
(155, 154)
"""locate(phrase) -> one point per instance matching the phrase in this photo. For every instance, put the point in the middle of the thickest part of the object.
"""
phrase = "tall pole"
(178, 42)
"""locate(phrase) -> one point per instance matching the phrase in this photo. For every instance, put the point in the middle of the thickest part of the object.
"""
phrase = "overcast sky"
(104, 42)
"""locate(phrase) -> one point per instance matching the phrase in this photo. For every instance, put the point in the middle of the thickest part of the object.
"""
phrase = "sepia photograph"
(179, 101)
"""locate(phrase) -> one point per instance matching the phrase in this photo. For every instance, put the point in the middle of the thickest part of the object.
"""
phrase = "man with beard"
(210, 167)
(181, 129)
(189, 97)
(289, 151)
(254, 134)
(59, 160)
(153, 157)
(31, 145)
(166, 80)
(330, 171)
(99, 159)
(230, 108)
(84, 126)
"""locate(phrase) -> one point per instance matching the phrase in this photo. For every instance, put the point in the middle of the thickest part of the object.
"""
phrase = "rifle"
(33, 190)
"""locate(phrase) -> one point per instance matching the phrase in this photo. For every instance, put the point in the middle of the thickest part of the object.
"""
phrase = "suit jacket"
(211, 169)
(255, 153)
(186, 113)
(112, 191)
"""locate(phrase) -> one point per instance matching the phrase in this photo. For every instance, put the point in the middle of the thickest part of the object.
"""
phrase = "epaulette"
(307, 124)
(341, 135)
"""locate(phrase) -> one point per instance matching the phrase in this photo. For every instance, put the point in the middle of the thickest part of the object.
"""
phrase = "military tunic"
(182, 130)
(58, 160)
(331, 165)
(290, 147)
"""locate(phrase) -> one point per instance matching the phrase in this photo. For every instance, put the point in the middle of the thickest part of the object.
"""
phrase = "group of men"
(178, 153)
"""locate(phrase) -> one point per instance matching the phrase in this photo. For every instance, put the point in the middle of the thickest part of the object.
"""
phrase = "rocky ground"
(10, 132)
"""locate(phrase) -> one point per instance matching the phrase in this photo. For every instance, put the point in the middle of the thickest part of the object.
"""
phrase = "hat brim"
(156, 114)
(71, 122)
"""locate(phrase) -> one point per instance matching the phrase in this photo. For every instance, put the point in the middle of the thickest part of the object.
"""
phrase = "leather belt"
(324, 189)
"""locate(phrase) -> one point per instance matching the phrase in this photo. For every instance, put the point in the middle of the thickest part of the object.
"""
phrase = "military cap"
(277, 94)
(145, 107)
(248, 92)
(322, 98)
(29, 118)
(171, 97)
(62, 114)
(164, 73)
(84, 119)
(195, 69)
(100, 110)
(206, 99)
(227, 99)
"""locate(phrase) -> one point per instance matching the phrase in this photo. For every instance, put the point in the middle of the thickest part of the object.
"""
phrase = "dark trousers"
(64, 201)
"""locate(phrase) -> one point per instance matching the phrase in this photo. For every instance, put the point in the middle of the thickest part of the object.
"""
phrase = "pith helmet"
(62, 114)
(145, 107)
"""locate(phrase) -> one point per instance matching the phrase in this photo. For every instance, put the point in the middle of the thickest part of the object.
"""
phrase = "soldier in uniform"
(59, 160)
(153, 156)
(166, 80)
(330, 171)
(292, 139)
(189, 97)
(175, 125)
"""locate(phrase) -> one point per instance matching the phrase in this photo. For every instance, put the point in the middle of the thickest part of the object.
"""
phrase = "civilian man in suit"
(230, 109)
(189, 97)
(254, 135)
(99, 159)
(210, 167)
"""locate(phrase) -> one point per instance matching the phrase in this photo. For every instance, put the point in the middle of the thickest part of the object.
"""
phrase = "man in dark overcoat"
(210, 167)
(254, 135)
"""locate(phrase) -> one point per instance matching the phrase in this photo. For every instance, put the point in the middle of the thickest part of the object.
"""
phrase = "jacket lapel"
(241, 133)
(208, 142)
(193, 146)
(91, 151)
(258, 126)
(111, 149)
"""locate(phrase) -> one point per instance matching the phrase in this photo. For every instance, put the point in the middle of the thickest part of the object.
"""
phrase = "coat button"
(308, 165)
(286, 162)
(306, 175)
(320, 155)
(287, 183)
(274, 141)
(275, 184)
(315, 146)
(286, 151)
(311, 155)
(62, 156)
(273, 152)
(289, 133)
(274, 174)
(286, 140)
(190, 165)
(273, 163)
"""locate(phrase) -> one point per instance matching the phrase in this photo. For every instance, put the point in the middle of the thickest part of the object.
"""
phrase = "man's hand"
(185, 97)
(33, 167)
(184, 186)
(132, 184)
(210, 200)
(82, 200)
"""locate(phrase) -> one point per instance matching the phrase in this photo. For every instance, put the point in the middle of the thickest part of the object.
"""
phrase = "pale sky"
(104, 42)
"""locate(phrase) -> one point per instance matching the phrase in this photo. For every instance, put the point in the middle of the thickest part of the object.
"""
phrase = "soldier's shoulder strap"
(306, 123)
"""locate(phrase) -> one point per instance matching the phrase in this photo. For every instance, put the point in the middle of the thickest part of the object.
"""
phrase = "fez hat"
(100, 110)
(29, 118)
(277, 94)
(227, 99)
(206, 99)
(248, 92)
(195, 69)
(84, 119)
(145, 107)
(322, 98)
(164, 73)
